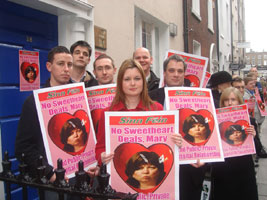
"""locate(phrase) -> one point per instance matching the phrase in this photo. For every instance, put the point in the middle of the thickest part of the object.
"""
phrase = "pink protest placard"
(206, 80)
(259, 102)
(66, 126)
(251, 106)
(264, 95)
(197, 124)
(233, 122)
(99, 98)
(196, 67)
(145, 159)
(29, 69)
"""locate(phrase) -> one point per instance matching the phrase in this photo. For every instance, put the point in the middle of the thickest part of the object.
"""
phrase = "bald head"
(142, 55)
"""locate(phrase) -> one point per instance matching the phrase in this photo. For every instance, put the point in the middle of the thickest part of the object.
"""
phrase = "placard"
(264, 95)
(29, 69)
(145, 159)
(233, 122)
(196, 68)
(197, 124)
(66, 126)
(206, 80)
(99, 98)
(251, 106)
(259, 102)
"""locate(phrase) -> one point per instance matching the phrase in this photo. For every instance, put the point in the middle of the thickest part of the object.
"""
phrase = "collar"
(82, 79)
(148, 77)
(252, 92)
(121, 107)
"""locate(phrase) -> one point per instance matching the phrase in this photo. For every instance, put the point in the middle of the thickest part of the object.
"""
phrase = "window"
(265, 57)
(147, 36)
(152, 34)
(259, 57)
(196, 48)
(253, 61)
(196, 8)
(210, 15)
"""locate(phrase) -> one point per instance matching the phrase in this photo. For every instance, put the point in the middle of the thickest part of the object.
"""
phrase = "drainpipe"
(185, 26)
(231, 28)
(218, 35)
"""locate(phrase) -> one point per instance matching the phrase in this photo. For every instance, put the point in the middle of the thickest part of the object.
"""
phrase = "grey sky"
(256, 27)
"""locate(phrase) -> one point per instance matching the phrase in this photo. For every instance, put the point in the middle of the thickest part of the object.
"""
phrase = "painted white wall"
(119, 17)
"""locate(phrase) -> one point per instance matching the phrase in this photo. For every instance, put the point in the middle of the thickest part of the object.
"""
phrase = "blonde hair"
(120, 96)
(226, 93)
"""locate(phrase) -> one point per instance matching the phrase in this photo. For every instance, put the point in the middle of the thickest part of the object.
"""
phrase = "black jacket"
(153, 82)
(159, 94)
(190, 177)
(29, 137)
(89, 80)
(216, 98)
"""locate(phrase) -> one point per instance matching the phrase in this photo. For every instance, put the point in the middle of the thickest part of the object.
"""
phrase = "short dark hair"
(237, 79)
(68, 126)
(102, 56)
(231, 129)
(142, 158)
(248, 79)
(175, 57)
(28, 70)
(81, 43)
(55, 50)
(190, 121)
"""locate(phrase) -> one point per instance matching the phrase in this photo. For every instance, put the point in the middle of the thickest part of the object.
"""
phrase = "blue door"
(28, 29)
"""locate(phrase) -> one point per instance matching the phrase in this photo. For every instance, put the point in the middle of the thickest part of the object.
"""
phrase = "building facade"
(257, 59)
(224, 39)
(238, 37)
(200, 26)
(114, 27)
(154, 24)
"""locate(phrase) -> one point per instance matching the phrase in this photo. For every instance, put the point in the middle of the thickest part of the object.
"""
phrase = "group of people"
(138, 90)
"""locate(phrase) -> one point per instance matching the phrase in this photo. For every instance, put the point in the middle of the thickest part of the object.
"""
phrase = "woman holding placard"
(131, 95)
(234, 178)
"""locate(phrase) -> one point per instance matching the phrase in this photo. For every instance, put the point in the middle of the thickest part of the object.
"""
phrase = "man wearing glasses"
(239, 84)
(260, 150)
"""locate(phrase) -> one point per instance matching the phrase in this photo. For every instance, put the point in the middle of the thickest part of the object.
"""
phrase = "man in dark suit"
(174, 71)
(191, 176)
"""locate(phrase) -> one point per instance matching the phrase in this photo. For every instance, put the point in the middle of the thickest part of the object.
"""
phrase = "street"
(262, 169)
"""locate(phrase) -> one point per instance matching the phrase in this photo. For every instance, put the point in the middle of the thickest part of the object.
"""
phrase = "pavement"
(261, 170)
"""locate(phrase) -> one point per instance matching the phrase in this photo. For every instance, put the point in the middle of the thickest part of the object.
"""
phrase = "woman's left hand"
(198, 164)
(177, 139)
(251, 130)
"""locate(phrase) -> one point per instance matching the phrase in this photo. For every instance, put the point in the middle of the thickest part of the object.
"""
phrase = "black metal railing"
(81, 187)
